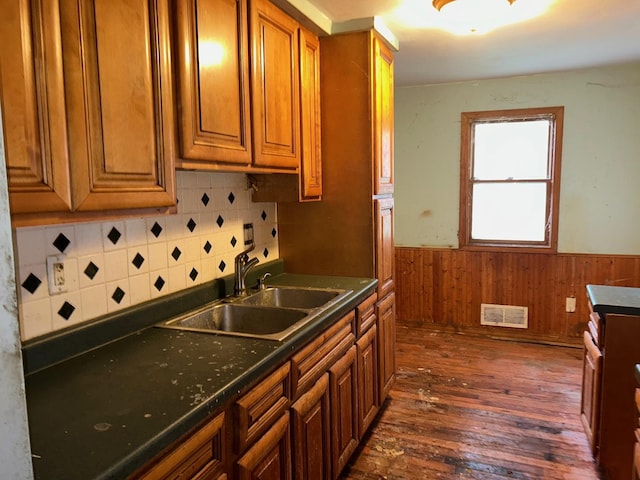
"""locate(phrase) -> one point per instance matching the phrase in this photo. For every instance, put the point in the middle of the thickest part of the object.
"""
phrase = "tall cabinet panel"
(214, 119)
(119, 102)
(31, 90)
(350, 232)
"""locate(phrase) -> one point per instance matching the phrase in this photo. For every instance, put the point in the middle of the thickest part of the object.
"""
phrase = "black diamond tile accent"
(137, 261)
(91, 270)
(205, 199)
(191, 225)
(61, 242)
(264, 215)
(114, 235)
(266, 252)
(207, 247)
(156, 229)
(159, 283)
(176, 253)
(193, 274)
(31, 283)
(118, 295)
(222, 266)
(231, 198)
(273, 233)
(66, 310)
(220, 221)
(233, 241)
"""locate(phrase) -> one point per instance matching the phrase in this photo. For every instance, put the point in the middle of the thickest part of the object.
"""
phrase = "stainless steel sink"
(273, 313)
(292, 297)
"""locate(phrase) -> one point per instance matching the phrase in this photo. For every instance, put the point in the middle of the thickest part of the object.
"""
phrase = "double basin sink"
(272, 313)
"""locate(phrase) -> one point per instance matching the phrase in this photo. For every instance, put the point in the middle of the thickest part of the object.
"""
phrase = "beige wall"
(600, 189)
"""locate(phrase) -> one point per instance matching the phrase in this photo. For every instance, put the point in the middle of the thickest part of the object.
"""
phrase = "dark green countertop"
(609, 299)
(104, 413)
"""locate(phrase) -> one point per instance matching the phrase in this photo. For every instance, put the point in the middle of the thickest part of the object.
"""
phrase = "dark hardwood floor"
(467, 407)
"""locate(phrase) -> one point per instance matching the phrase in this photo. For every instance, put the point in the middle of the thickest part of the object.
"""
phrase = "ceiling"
(571, 34)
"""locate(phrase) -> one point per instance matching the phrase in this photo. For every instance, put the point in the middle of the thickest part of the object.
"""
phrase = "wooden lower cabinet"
(270, 457)
(343, 388)
(311, 433)
(386, 345)
(591, 377)
(367, 349)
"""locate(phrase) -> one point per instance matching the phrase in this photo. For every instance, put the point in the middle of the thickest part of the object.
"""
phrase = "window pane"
(511, 150)
(509, 211)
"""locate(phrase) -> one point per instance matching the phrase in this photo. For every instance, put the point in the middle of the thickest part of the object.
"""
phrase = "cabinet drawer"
(200, 456)
(315, 359)
(256, 411)
(596, 328)
(365, 315)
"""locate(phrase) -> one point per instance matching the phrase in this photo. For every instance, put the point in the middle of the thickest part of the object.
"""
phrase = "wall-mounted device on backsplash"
(248, 234)
(56, 275)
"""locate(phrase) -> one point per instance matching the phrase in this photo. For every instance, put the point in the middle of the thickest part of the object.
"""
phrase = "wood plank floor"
(469, 407)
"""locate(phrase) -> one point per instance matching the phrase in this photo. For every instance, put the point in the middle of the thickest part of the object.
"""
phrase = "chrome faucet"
(242, 267)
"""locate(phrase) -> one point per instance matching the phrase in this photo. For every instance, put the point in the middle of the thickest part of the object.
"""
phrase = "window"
(510, 178)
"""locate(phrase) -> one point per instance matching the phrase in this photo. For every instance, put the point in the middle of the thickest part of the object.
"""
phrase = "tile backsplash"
(115, 264)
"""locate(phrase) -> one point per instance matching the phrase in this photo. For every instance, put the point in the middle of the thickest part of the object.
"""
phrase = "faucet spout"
(242, 266)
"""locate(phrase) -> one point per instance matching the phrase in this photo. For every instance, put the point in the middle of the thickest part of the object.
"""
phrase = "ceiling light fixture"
(464, 17)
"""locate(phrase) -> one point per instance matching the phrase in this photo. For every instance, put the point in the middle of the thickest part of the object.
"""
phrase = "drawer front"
(315, 359)
(596, 328)
(257, 410)
(201, 454)
(365, 315)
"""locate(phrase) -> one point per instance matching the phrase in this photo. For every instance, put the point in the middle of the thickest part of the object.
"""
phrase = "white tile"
(196, 222)
(140, 288)
(115, 288)
(175, 228)
(203, 179)
(35, 318)
(30, 246)
(94, 301)
(52, 234)
(71, 274)
(116, 267)
(121, 241)
(194, 274)
(161, 232)
(191, 200)
(209, 269)
(176, 249)
(203, 241)
(159, 283)
(207, 223)
(192, 249)
(38, 271)
(88, 239)
(158, 256)
(177, 278)
(84, 281)
(132, 253)
(58, 304)
(136, 232)
(189, 179)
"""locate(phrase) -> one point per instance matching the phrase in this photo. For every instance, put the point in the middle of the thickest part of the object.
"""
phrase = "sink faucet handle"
(262, 280)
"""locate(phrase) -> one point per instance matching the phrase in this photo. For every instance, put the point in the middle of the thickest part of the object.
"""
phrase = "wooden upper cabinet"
(383, 128)
(214, 119)
(275, 86)
(310, 177)
(119, 103)
(33, 109)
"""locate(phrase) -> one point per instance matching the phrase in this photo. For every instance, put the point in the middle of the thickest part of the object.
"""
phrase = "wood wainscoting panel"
(447, 286)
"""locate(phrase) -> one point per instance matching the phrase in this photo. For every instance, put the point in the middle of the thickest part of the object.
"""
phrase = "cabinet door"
(311, 433)
(383, 128)
(310, 177)
(275, 86)
(343, 390)
(119, 103)
(386, 345)
(270, 457)
(213, 82)
(367, 379)
(33, 109)
(385, 249)
(590, 404)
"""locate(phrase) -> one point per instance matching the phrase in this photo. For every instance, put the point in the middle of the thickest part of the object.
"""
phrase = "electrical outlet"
(56, 274)
(570, 305)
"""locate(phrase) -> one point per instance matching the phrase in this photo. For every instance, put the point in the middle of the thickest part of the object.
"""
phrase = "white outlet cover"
(56, 274)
